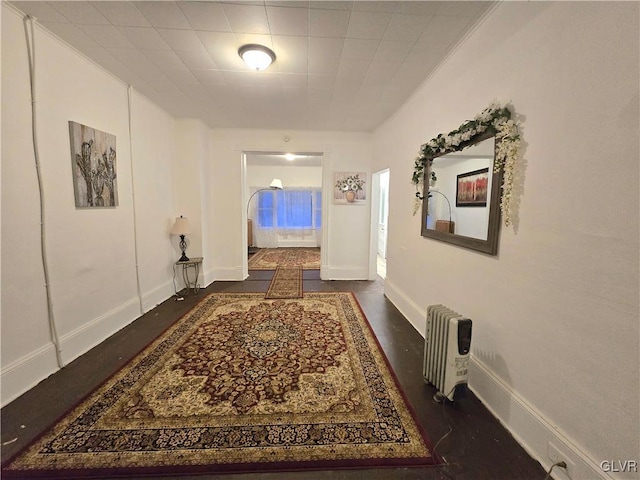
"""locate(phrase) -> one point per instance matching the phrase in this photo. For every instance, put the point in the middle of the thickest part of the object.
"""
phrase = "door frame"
(375, 220)
(326, 186)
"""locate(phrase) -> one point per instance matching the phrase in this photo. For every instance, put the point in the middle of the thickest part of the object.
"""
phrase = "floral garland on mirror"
(495, 118)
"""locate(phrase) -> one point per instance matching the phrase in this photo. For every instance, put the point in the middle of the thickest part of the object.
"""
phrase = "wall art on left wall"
(93, 162)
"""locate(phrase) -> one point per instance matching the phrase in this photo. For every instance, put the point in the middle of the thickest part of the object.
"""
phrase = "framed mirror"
(461, 196)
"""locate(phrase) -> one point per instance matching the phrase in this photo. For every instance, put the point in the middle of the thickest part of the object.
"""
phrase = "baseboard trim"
(84, 338)
(208, 277)
(155, 297)
(411, 311)
(26, 372)
(226, 274)
(345, 273)
(531, 429)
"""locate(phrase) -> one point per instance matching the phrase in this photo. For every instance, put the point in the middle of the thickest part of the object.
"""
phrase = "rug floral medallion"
(241, 384)
(270, 258)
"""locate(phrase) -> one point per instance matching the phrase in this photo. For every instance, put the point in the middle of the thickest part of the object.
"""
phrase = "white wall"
(91, 251)
(291, 176)
(192, 190)
(555, 341)
(346, 226)
(153, 173)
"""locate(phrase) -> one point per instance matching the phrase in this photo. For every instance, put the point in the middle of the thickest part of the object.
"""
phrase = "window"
(290, 209)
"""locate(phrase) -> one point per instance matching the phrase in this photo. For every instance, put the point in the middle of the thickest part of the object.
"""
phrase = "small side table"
(193, 263)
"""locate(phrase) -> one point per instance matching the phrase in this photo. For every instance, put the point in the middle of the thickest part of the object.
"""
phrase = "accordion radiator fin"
(447, 345)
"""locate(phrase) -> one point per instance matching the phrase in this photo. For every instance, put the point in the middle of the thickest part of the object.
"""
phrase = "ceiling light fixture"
(258, 57)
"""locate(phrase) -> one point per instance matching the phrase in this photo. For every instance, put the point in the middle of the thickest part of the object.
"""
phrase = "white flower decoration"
(494, 117)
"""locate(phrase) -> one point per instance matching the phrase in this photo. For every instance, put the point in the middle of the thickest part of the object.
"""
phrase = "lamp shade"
(181, 227)
(276, 184)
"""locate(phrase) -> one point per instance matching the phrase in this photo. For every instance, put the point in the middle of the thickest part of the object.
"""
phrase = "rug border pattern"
(174, 329)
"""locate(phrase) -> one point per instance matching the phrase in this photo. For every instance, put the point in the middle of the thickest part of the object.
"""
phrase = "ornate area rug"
(240, 384)
(286, 282)
(270, 258)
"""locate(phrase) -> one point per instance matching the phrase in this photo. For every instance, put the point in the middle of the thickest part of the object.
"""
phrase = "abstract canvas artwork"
(93, 162)
(471, 188)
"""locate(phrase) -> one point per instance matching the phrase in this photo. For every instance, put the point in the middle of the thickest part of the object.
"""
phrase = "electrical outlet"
(556, 455)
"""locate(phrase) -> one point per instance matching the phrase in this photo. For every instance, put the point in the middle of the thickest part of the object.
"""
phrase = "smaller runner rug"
(270, 258)
(286, 282)
(240, 384)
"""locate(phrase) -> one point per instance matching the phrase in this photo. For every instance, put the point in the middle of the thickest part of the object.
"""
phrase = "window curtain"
(294, 213)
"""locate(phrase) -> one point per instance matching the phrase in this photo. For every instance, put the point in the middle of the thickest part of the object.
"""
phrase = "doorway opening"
(380, 220)
(283, 224)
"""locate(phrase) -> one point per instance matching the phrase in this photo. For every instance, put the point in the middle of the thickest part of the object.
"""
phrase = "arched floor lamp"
(276, 184)
(450, 226)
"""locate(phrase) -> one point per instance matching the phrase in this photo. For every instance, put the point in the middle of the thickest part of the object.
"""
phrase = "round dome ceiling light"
(257, 57)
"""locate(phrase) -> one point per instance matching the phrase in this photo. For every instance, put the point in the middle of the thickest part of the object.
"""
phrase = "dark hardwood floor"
(477, 448)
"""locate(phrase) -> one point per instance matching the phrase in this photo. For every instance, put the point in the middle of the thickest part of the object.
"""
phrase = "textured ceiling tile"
(444, 29)
(223, 96)
(104, 58)
(71, 34)
(293, 80)
(205, 16)
(380, 74)
(107, 36)
(321, 81)
(353, 67)
(181, 76)
(348, 85)
(134, 59)
(324, 65)
(375, 6)
(462, 8)
(182, 40)
(157, 80)
(246, 18)
(295, 96)
(124, 14)
(197, 60)
(145, 38)
(164, 59)
(163, 14)
(261, 80)
(359, 48)
(319, 98)
(325, 47)
(339, 65)
(288, 3)
(419, 8)
(223, 49)
(42, 11)
(288, 21)
(331, 5)
(291, 54)
(392, 51)
(209, 77)
(406, 27)
(368, 24)
(259, 38)
(328, 23)
(81, 12)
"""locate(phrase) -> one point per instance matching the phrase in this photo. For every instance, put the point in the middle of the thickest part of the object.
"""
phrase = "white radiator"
(446, 350)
